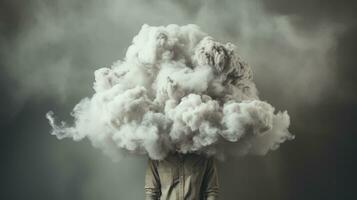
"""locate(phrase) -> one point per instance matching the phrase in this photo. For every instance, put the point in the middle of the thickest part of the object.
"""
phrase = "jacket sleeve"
(211, 183)
(152, 181)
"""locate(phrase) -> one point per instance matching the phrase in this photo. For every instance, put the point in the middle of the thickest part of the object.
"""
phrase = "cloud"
(177, 89)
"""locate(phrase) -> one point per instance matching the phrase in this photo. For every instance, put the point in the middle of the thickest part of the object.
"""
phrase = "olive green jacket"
(182, 177)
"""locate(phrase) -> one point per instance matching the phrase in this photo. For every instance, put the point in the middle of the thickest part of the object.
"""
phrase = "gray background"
(302, 53)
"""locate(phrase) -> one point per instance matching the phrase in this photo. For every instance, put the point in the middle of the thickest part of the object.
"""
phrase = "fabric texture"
(182, 177)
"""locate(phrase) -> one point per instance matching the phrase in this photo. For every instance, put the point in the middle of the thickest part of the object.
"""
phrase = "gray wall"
(302, 54)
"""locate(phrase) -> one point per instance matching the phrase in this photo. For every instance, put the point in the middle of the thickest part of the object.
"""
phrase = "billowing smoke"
(177, 89)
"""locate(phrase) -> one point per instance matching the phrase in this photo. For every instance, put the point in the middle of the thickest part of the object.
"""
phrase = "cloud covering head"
(177, 89)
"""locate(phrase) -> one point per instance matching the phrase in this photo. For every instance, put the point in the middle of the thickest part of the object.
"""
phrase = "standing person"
(182, 177)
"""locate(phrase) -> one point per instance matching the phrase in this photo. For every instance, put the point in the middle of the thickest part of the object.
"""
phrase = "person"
(182, 177)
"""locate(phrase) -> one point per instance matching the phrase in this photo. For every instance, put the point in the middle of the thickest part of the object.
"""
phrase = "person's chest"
(181, 177)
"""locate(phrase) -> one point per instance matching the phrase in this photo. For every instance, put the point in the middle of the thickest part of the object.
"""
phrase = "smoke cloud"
(177, 89)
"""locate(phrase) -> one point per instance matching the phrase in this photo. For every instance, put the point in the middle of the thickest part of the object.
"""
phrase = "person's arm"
(211, 183)
(152, 181)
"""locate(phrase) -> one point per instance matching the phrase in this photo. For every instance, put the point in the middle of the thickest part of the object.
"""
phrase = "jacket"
(182, 177)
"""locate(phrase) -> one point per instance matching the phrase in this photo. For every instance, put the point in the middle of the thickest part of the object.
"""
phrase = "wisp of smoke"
(177, 89)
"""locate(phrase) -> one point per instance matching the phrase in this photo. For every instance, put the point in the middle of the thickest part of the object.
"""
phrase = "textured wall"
(302, 54)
